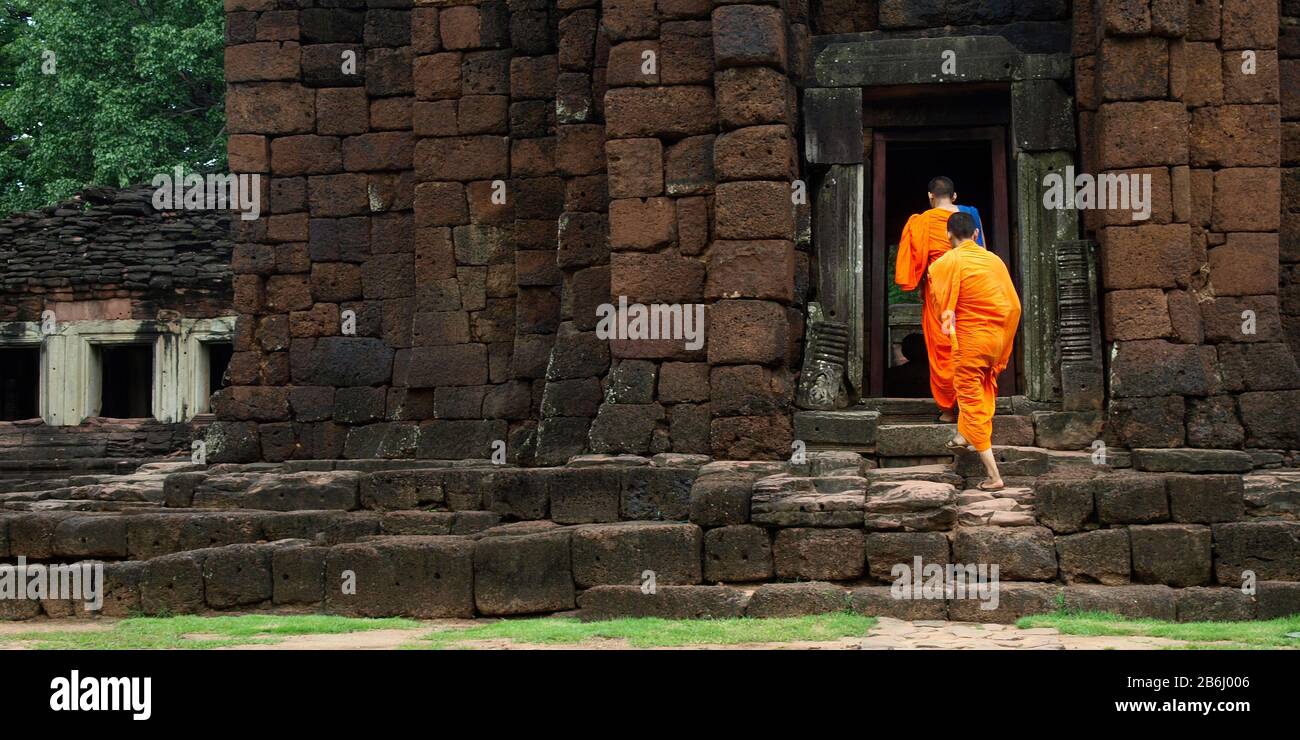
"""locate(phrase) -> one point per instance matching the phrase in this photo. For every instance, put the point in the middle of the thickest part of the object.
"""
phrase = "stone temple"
(400, 369)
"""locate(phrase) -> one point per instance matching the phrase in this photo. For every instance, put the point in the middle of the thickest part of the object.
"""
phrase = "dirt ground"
(889, 634)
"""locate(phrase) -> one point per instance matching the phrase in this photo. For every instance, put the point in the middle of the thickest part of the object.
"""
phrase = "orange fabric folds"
(925, 239)
(979, 311)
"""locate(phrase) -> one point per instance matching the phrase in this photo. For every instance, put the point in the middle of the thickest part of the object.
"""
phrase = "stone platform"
(1171, 534)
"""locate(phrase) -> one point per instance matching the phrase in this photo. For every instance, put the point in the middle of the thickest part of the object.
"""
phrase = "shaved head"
(961, 225)
(941, 187)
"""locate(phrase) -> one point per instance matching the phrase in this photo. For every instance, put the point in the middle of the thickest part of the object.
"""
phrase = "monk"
(925, 239)
(971, 291)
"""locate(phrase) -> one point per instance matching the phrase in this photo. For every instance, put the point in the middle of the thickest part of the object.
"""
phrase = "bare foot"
(946, 417)
(991, 485)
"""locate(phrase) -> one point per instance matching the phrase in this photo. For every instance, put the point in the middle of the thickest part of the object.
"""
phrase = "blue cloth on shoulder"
(975, 214)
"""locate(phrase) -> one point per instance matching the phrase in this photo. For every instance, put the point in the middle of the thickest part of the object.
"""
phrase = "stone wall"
(1033, 25)
(1288, 51)
(492, 174)
(110, 250)
(1191, 310)
(1175, 537)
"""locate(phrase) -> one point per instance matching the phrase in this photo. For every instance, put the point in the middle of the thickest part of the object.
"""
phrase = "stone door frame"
(1042, 138)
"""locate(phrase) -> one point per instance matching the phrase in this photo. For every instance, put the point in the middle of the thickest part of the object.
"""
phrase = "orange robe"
(925, 239)
(972, 292)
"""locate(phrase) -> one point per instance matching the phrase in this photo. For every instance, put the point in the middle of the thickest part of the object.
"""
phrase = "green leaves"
(137, 89)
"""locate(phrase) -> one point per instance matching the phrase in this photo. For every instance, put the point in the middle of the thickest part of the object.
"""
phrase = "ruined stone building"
(421, 390)
(115, 328)
(656, 153)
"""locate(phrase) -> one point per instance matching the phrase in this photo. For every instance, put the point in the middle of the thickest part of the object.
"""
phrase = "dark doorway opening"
(20, 383)
(219, 354)
(126, 381)
(903, 162)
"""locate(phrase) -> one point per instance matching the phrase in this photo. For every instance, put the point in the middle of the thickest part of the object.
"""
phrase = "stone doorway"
(903, 160)
(859, 81)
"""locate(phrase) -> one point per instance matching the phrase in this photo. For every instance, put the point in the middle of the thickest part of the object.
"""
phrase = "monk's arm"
(909, 266)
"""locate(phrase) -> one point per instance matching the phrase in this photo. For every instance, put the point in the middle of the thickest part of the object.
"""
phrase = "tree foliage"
(136, 88)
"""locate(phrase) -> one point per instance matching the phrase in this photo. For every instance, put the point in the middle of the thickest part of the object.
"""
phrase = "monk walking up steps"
(972, 292)
(924, 240)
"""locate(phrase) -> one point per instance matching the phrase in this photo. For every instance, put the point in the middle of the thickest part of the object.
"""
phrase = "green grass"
(648, 632)
(211, 632)
(1204, 635)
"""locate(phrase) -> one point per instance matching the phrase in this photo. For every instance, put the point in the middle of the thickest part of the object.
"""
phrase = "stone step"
(914, 440)
(67, 536)
(851, 430)
(920, 406)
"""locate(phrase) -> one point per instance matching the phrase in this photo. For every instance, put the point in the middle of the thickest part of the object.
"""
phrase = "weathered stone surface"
(737, 553)
(720, 500)
(1191, 461)
(886, 550)
(1064, 505)
(173, 584)
(584, 495)
(1021, 553)
(1200, 604)
(1269, 420)
(122, 588)
(1151, 602)
(836, 463)
(880, 601)
(796, 599)
(1148, 422)
(1014, 600)
(1067, 430)
(401, 489)
(1012, 461)
(1273, 494)
(90, 537)
(1101, 556)
(618, 554)
(287, 492)
(912, 506)
(523, 574)
(1205, 499)
(1173, 554)
(1131, 499)
(914, 440)
(411, 576)
(667, 602)
(787, 501)
(1271, 550)
(237, 575)
(818, 554)
(1277, 599)
(657, 493)
(298, 575)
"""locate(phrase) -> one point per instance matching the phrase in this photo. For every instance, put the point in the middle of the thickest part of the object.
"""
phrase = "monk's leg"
(938, 350)
(976, 389)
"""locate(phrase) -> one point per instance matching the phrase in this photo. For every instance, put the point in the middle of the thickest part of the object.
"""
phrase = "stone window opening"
(20, 383)
(123, 381)
(213, 361)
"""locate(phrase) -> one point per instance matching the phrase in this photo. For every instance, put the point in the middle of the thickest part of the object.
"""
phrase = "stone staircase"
(902, 432)
(1157, 533)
